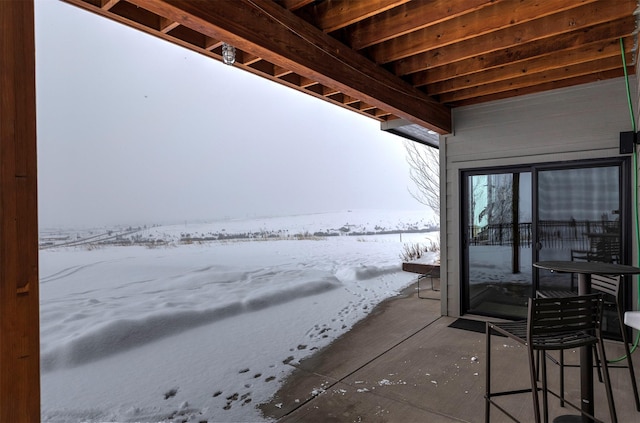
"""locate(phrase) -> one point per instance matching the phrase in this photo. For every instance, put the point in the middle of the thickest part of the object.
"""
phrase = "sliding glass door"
(513, 217)
(498, 240)
(578, 219)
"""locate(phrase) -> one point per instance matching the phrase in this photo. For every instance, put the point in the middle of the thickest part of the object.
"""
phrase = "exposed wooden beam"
(389, 118)
(551, 85)
(323, 90)
(291, 79)
(380, 113)
(188, 35)
(522, 52)
(329, 91)
(107, 4)
(132, 13)
(294, 4)
(331, 15)
(149, 22)
(589, 53)
(349, 100)
(343, 99)
(581, 69)
(263, 28)
(339, 97)
(306, 82)
(279, 71)
(316, 88)
(264, 66)
(364, 106)
(167, 25)
(247, 58)
(211, 43)
(571, 20)
(470, 26)
(19, 304)
(408, 18)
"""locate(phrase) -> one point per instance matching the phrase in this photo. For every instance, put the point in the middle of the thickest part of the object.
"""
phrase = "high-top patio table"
(585, 269)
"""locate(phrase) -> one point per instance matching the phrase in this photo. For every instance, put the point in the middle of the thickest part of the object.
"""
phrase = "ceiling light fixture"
(228, 54)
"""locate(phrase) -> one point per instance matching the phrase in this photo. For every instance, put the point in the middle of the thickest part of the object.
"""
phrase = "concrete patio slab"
(404, 363)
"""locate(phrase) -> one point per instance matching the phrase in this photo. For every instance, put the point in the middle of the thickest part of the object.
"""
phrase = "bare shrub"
(415, 251)
(424, 164)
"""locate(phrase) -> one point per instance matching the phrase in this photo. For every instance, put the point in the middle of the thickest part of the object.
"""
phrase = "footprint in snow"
(288, 360)
(170, 393)
(245, 398)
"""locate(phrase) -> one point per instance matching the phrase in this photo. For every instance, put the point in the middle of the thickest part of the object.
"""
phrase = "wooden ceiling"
(390, 59)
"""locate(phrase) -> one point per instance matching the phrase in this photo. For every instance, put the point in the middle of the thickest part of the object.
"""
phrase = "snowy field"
(181, 330)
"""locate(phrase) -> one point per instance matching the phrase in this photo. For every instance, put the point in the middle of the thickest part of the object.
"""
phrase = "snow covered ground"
(178, 330)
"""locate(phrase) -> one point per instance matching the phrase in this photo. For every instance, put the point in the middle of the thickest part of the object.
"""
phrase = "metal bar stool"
(606, 284)
(552, 324)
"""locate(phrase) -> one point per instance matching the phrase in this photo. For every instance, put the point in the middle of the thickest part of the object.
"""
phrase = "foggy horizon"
(135, 130)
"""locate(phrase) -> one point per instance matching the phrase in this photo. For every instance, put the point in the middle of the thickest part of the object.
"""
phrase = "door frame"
(626, 218)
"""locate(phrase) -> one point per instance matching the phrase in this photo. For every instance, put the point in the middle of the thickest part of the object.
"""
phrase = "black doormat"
(467, 324)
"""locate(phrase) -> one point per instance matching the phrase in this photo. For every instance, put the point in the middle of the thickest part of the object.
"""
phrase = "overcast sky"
(135, 130)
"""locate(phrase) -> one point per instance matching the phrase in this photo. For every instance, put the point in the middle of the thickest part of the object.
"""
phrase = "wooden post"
(19, 308)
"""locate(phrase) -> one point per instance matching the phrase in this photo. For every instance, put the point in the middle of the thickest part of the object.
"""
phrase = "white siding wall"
(567, 124)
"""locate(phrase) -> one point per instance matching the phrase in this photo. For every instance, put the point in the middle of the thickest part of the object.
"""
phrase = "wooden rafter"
(557, 60)
(107, 4)
(294, 4)
(408, 18)
(557, 74)
(486, 20)
(396, 58)
(546, 85)
(263, 28)
(544, 28)
(166, 25)
(534, 51)
(332, 15)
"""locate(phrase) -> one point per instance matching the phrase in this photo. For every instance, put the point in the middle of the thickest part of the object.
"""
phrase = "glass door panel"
(578, 219)
(571, 211)
(499, 271)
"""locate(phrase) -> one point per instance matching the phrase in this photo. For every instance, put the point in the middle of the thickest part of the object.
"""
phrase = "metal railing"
(571, 234)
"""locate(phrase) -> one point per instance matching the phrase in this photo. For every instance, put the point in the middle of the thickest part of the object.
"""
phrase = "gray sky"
(135, 130)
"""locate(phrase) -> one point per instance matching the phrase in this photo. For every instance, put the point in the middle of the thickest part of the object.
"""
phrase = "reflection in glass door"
(578, 219)
(514, 217)
(498, 239)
